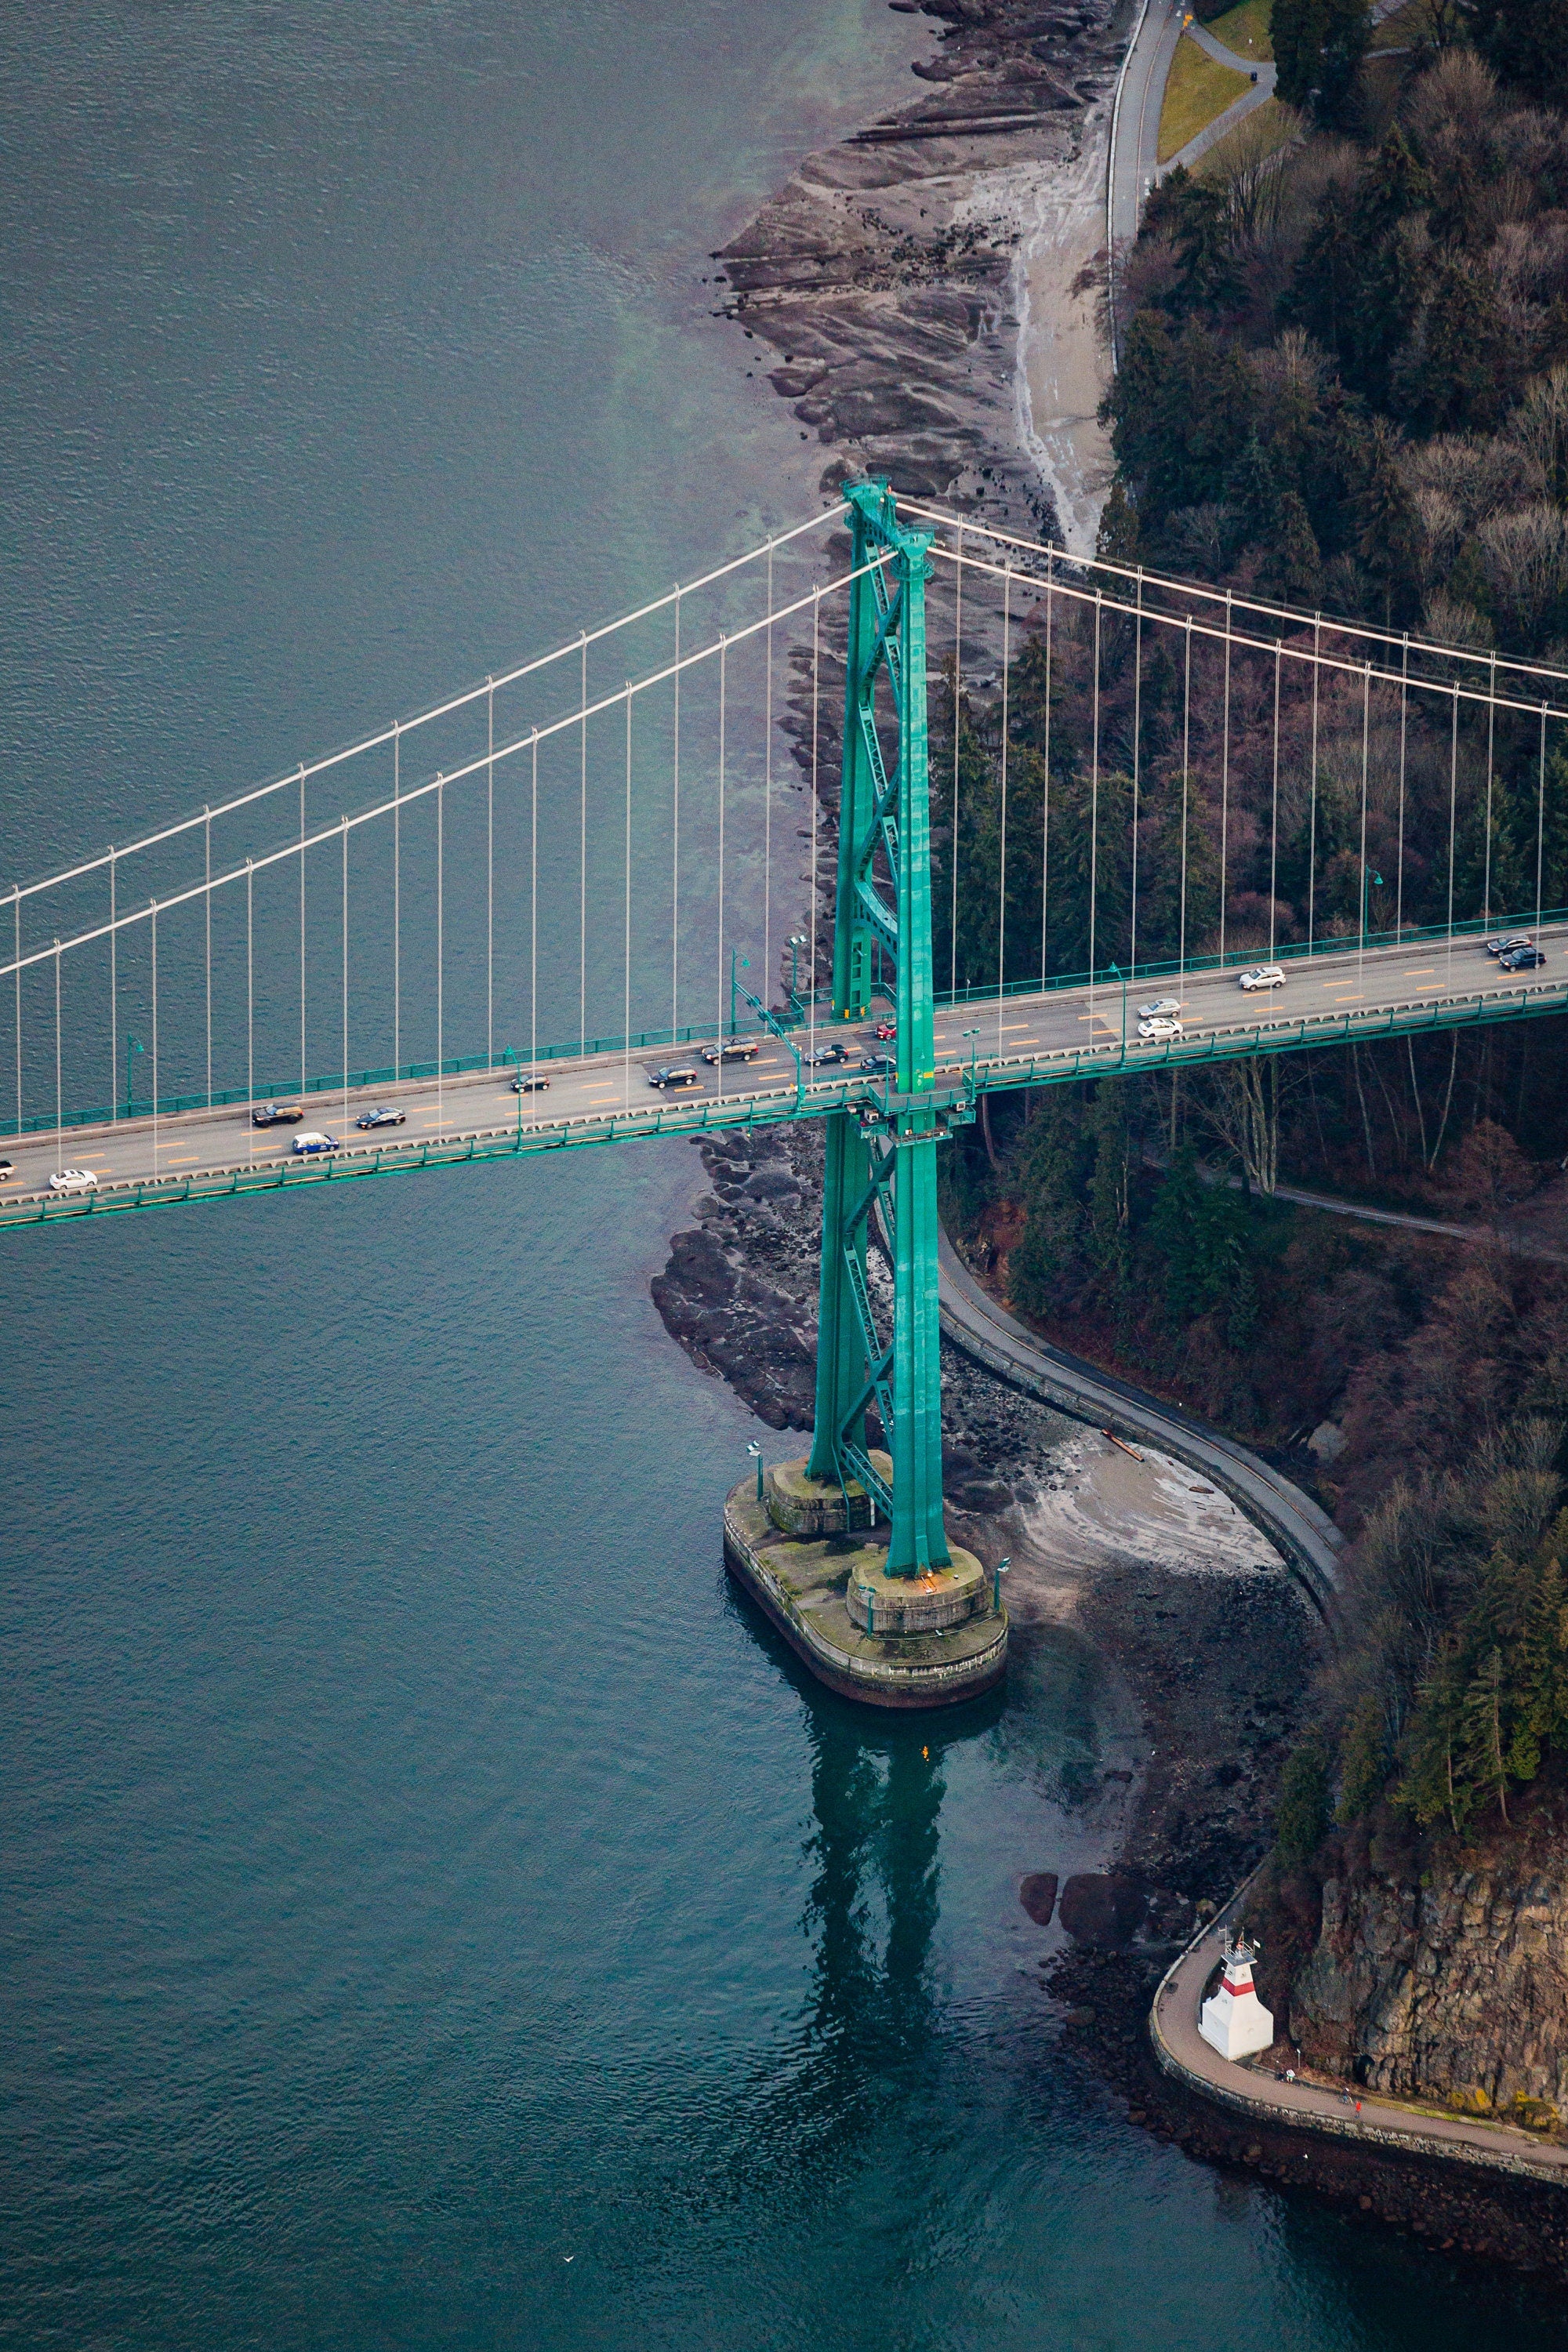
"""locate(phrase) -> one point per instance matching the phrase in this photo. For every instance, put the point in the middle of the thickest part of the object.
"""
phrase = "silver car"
(1161, 1030)
(1161, 1008)
(1261, 975)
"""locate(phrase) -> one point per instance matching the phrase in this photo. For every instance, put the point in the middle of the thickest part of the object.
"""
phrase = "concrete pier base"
(900, 1641)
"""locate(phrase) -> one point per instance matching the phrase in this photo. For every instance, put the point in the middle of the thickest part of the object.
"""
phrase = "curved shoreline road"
(1135, 138)
(973, 1321)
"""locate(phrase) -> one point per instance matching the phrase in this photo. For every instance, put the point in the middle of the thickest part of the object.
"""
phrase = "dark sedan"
(880, 1065)
(277, 1114)
(381, 1118)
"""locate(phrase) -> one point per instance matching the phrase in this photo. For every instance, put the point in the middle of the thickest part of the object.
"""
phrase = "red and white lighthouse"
(1232, 2019)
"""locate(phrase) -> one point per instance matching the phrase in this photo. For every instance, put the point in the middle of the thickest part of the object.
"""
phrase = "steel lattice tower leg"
(885, 1157)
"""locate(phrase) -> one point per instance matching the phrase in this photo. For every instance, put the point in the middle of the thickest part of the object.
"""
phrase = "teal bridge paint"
(884, 1162)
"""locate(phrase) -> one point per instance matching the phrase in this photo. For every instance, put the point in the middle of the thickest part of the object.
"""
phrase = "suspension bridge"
(555, 909)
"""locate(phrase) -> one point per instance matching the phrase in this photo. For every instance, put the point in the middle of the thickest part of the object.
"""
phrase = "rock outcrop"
(1443, 1973)
(884, 275)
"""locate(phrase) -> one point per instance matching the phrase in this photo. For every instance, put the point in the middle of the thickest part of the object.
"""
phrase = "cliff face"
(1446, 1976)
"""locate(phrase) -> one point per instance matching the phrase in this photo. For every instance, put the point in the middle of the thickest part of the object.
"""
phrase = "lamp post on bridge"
(796, 941)
(1003, 1565)
(516, 1059)
(1121, 976)
(1369, 882)
(974, 1049)
(746, 966)
(755, 1451)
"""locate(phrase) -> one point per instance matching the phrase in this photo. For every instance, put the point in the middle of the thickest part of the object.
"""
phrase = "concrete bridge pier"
(814, 1557)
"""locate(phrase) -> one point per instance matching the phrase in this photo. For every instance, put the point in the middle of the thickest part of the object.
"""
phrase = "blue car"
(307, 1145)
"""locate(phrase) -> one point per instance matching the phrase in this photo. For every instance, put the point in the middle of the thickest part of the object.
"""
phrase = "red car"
(886, 1029)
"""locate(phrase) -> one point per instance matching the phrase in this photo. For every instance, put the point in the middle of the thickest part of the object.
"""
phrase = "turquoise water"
(434, 1914)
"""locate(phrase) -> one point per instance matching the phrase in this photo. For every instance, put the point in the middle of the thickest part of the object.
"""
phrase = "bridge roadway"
(1020, 1040)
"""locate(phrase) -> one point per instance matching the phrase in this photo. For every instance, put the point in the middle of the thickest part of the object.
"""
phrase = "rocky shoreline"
(891, 278)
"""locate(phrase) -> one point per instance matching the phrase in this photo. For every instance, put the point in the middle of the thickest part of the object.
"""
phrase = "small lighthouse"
(1234, 2020)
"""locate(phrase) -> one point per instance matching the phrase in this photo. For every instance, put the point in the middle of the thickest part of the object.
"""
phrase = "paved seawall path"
(1182, 2053)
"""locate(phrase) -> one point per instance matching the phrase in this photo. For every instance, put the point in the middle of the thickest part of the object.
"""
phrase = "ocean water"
(435, 1914)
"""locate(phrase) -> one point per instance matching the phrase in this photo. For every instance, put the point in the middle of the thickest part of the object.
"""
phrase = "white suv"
(1262, 975)
(74, 1180)
(1162, 1028)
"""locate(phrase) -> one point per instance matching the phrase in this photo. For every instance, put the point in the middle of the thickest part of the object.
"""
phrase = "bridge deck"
(1022, 1040)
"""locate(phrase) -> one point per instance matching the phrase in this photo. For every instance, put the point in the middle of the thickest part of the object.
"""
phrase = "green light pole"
(507, 1055)
(132, 1046)
(1370, 881)
(1003, 1565)
(972, 1051)
(755, 1451)
(1121, 976)
(746, 966)
(795, 943)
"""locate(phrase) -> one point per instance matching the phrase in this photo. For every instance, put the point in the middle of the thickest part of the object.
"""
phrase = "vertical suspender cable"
(346, 827)
(1539, 821)
(582, 861)
(489, 873)
(1002, 863)
(1454, 793)
(815, 711)
(533, 921)
(207, 909)
(1186, 745)
(1137, 750)
(60, 1098)
(1404, 730)
(396, 904)
(766, 991)
(1274, 809)
(626, 1008)
(1313, 818)
(1224, 781)
(1492, 734)
(250, 1010)
(957, 708)
(675, 851)
(113, 996)
(154, 1037)
(1365, 732)
(1046, 789)
(301, 928)
(440, 949)
(16, 913)
(723, 713)
(1094, 801)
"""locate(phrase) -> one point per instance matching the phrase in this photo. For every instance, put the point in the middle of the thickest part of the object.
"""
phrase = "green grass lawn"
(1197, 91)
(1246, 30)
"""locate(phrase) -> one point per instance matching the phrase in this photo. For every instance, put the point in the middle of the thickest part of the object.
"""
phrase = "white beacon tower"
(1234, 2020)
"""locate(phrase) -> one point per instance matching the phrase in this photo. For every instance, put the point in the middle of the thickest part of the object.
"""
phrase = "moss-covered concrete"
(801, 1583)
(805, 1506)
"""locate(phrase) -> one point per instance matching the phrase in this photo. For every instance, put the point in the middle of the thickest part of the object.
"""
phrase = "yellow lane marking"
(182, 1163)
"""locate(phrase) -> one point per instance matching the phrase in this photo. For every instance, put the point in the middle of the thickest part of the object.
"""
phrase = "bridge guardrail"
(772, 1105)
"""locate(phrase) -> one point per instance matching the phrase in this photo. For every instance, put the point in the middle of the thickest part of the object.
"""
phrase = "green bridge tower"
(885, 1159)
